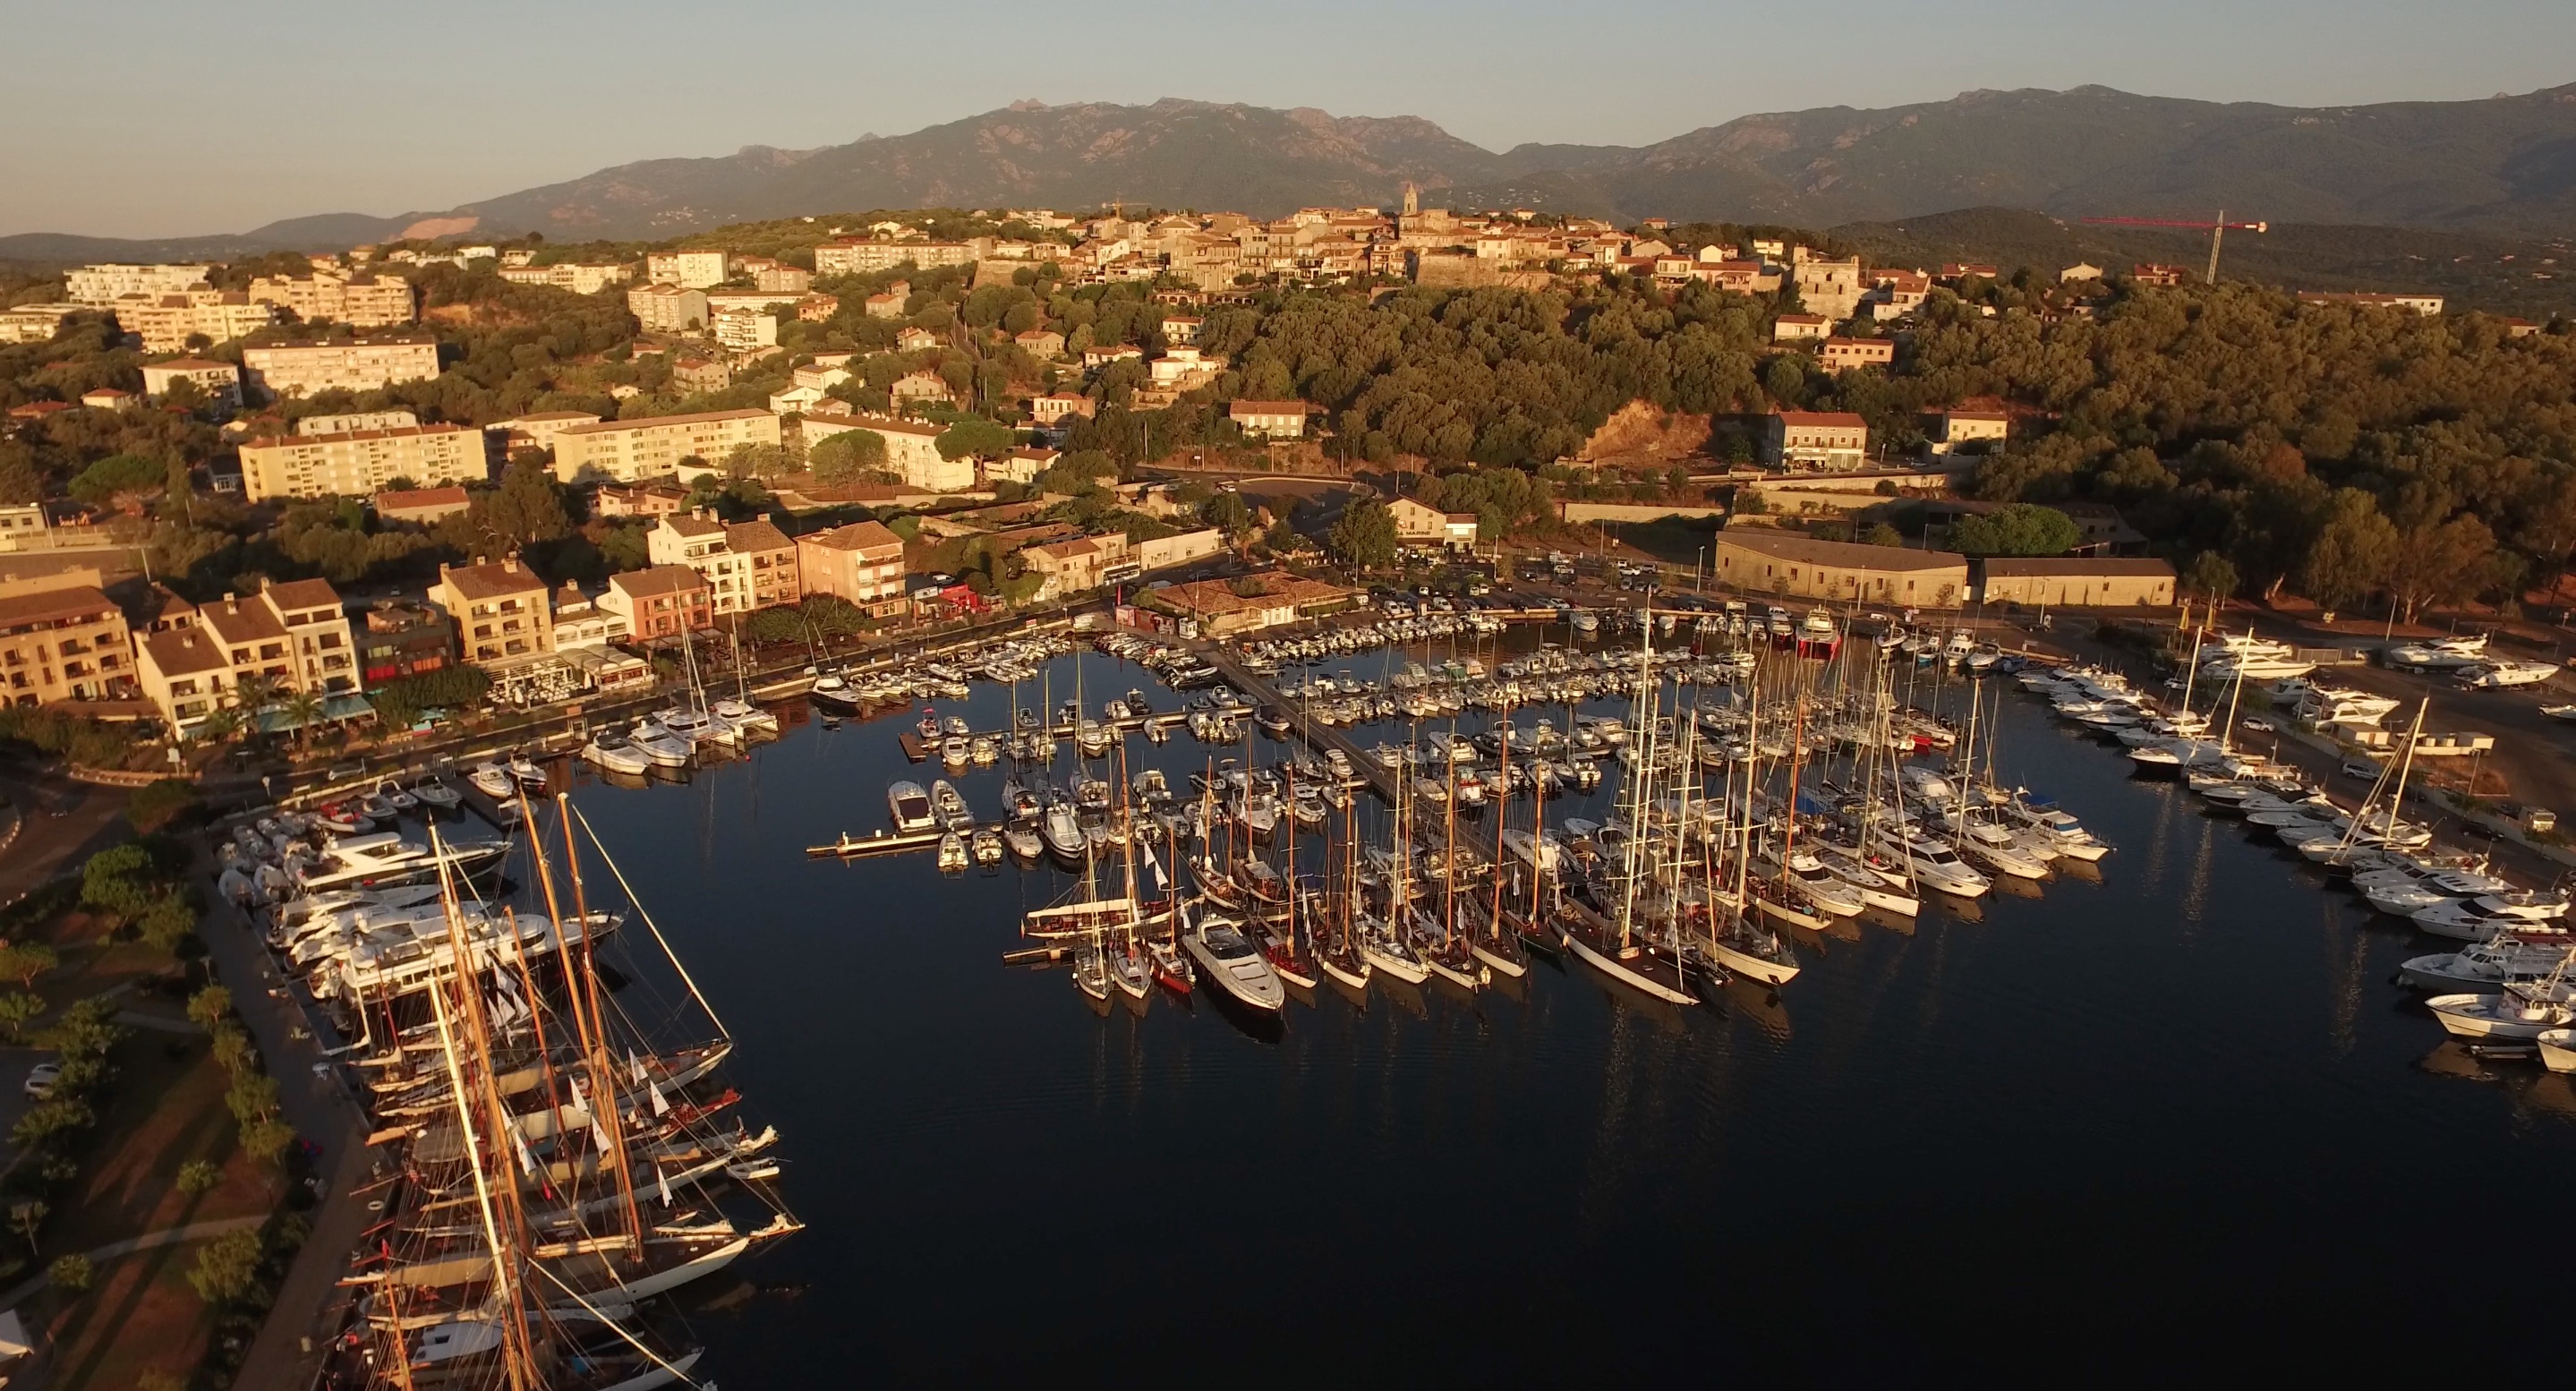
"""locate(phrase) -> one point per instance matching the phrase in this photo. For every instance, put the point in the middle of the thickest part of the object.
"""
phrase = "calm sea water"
(2131, 1125)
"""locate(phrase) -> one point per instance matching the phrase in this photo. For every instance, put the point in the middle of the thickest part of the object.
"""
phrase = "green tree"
(848, 456)
(2353, 550)
(71, 1274)
(982, 439)
(1881, 534)
(2210, 575)
(2018, 528)
(2442, 563)
(1227, 512)
(197, 1178)
(24, 961)
(117, 476)
(17, 1009)
(226, 1268)
(1364, 536)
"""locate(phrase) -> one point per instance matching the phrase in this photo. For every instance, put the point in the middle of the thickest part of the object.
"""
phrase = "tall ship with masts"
(562, 1166)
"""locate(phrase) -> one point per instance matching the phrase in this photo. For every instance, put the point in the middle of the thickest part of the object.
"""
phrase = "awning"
(279, 719)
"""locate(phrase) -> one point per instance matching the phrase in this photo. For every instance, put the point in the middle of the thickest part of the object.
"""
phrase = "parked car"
(2360, 768)
(41, 1080)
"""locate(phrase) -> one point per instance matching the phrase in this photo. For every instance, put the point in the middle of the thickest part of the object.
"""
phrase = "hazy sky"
(153, 118)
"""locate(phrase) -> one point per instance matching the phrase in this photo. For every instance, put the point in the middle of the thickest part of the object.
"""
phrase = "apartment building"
(745, 330)
(861, 562)
(690, 270)
(99, 286)
(752, 301)
(1843, 354)
(1051, 409)
(1419, 524)
(363, 301)
(343, 422)
(748, 565)
(34, 323)
(500, 610)
(399, 640)
(1950, 429)
(1832, 440)
(535, 430)
(850, 256)
(364, 363)
(576, 278)
(165, 322)
(292, 637)
(1799, 328)
(62, 639)
(912, 449)
(627, 450)
(360, 462)
(1279, 420)
(661, 603)
(220, 381)
(662, 308)
(776, 276)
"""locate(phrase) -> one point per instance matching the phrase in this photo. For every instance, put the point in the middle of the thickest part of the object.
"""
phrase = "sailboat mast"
(586, 985)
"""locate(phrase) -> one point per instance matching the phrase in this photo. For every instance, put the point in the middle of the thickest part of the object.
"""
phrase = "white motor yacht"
(911, 808)
(746, 717)
(660, 745)
(493, 780)
(949, 806)
(1063, 831)
(2488, 965)
(1997, 847)
(2521, 1012)
(1934, 865)
(1226, 956)
(2480, 919)
(610, 752)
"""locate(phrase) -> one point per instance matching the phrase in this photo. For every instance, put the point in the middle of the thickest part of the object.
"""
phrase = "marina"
(1317, 915)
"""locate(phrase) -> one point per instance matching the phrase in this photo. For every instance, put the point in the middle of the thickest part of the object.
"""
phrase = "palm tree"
(304, 708)
(252, 694)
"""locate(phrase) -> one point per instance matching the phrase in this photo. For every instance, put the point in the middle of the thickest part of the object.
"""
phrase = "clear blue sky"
(290, 107)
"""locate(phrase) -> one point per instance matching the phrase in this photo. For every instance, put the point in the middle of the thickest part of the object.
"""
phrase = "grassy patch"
(167, 1108)
(140, 1317)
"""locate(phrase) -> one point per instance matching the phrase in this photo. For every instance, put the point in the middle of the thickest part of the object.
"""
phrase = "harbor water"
(2125, 1123)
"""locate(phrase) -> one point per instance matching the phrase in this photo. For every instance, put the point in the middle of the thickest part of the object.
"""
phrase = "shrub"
(71, 1274)
(226, 1268)
(158, 804)
(197, 1178)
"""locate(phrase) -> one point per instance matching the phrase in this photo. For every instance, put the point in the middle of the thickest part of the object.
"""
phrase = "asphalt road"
(66, 822)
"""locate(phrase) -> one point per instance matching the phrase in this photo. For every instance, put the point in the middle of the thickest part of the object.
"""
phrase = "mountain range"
(2505, 164)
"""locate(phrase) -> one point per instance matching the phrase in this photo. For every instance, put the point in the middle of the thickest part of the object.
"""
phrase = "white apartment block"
(745, 330)
(322, 297)
(99, 286)
(353, 364)
(667, 308)
(34, 323)
(166, 322)
(625, 451)
(579, 279)
(690, 270)
(221, 381)
(348, 421)
(360, 462)
(859, 257)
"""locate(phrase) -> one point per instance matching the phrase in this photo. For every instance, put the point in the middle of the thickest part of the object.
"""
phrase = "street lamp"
(1696, 562)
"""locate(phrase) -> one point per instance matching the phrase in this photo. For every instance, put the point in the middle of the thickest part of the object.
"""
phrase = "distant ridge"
(2504, 164)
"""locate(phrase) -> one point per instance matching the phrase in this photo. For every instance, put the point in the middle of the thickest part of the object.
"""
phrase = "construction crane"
(2217, 230)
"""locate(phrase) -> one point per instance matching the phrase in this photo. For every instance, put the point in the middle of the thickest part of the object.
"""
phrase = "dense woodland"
(2353, 455)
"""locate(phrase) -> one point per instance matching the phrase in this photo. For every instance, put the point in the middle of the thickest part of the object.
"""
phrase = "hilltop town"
(544, 464)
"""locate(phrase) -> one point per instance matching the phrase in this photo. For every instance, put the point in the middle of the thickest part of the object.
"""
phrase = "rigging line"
(620, 1330)
(647, 915)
